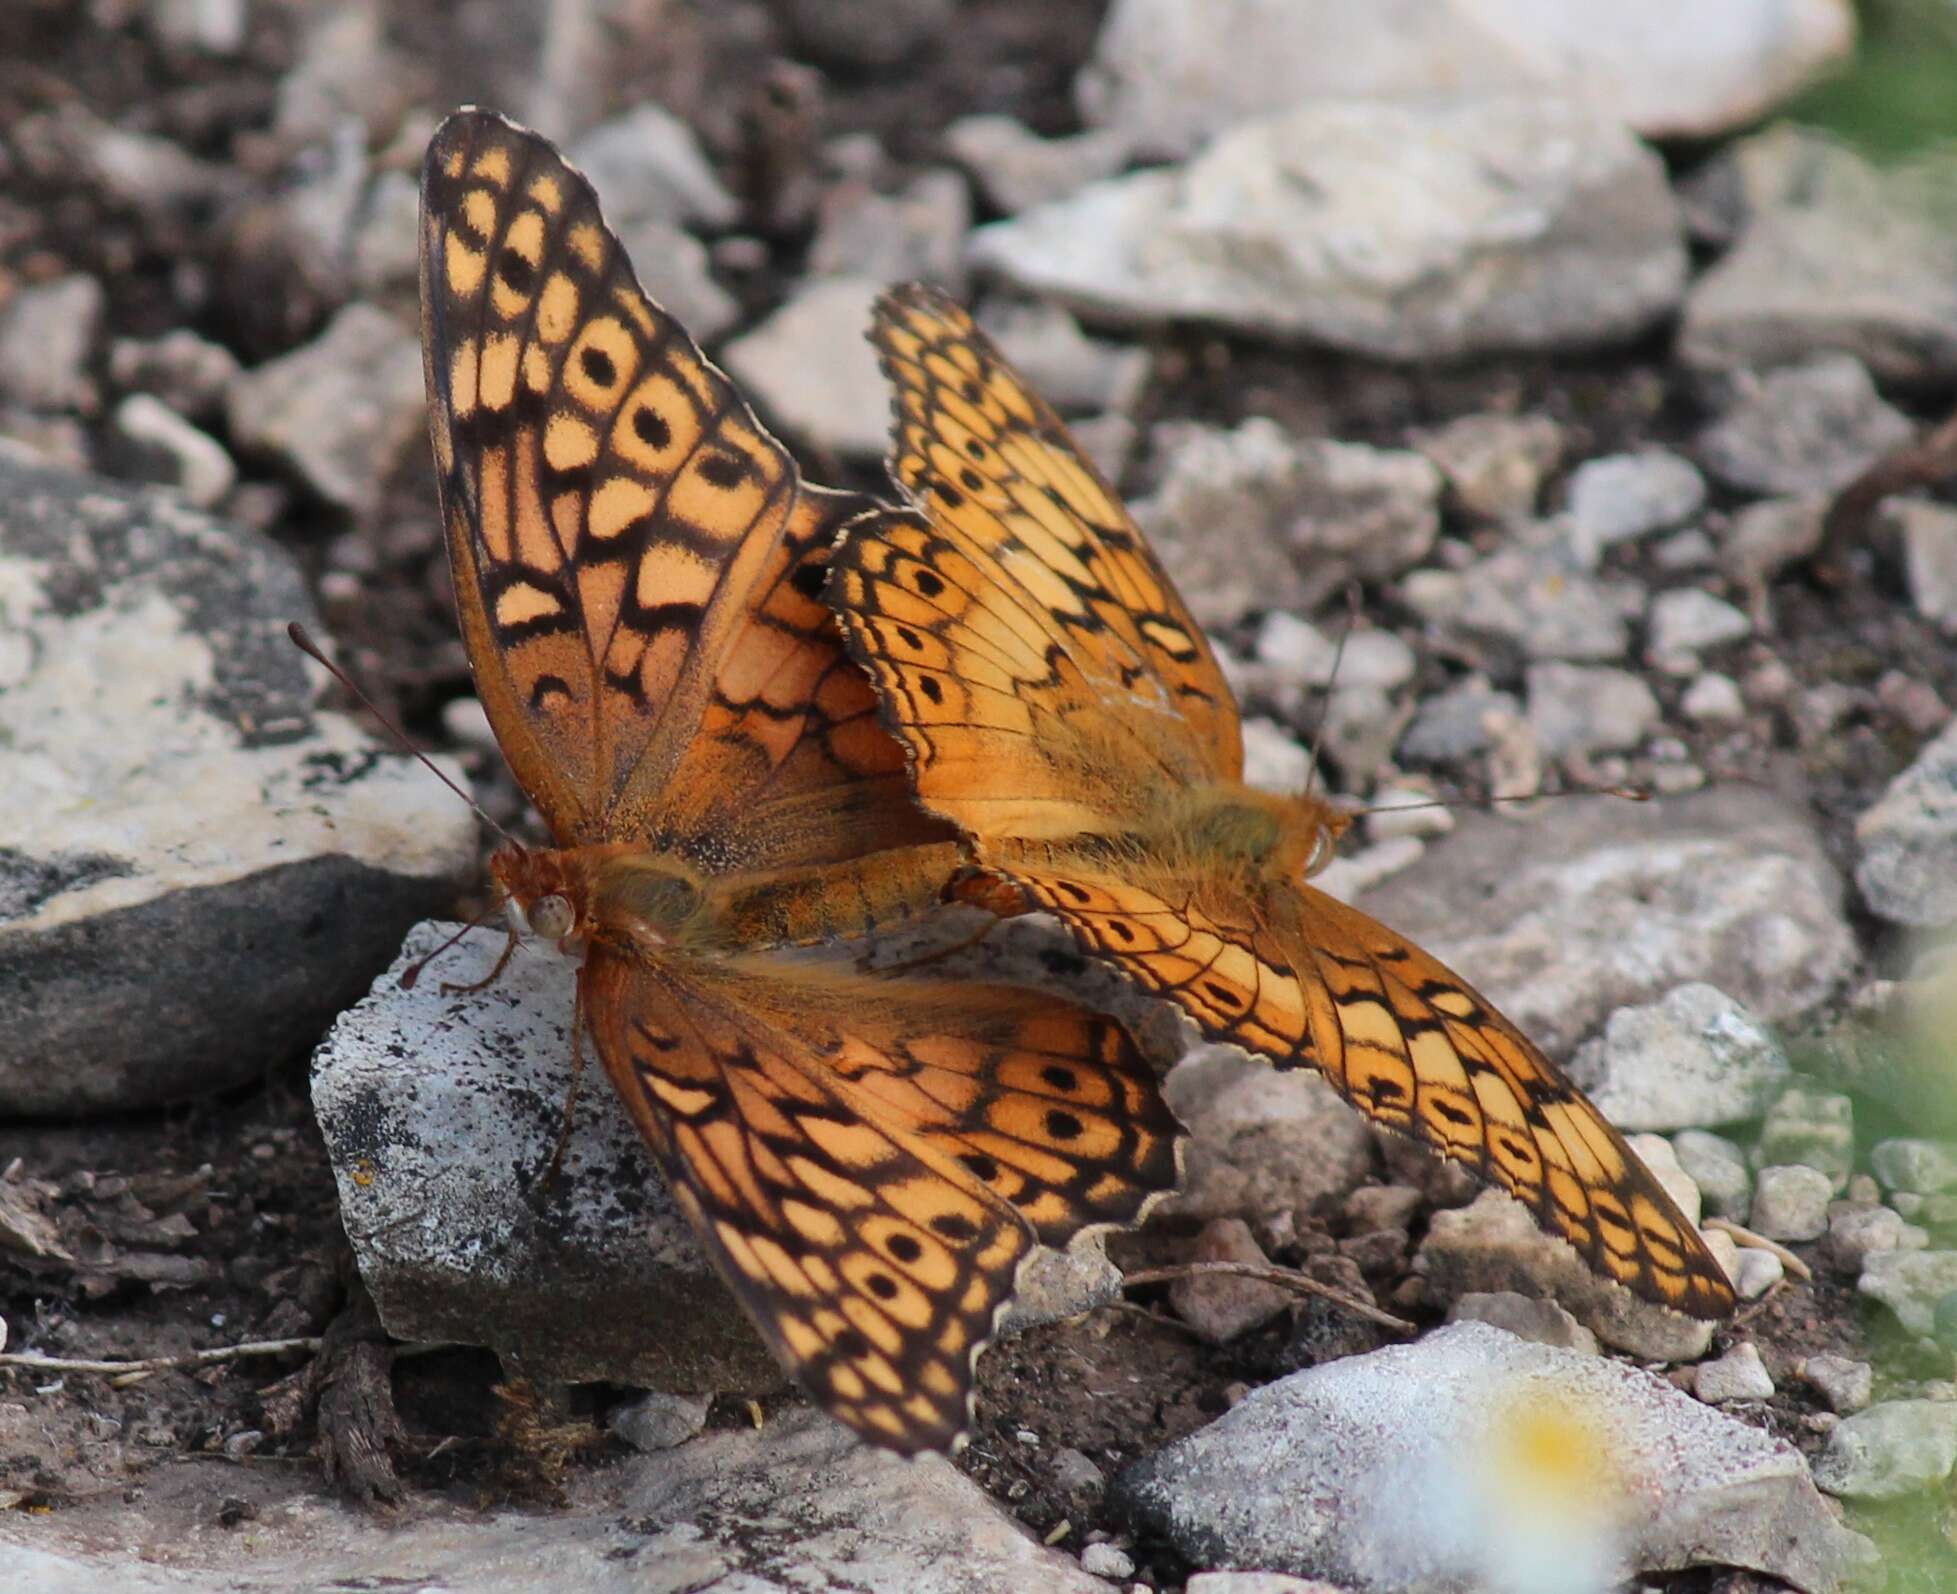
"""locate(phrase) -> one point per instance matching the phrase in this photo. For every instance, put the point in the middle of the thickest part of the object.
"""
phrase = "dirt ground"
(215, 1223)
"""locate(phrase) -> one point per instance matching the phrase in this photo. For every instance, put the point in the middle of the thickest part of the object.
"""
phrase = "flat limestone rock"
(1473, 1459)
(800, 1507)
(440, 1113)
(197, 870)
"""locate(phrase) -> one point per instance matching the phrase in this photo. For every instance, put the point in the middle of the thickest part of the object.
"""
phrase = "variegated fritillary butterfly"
(636, 561)
(1063, 710)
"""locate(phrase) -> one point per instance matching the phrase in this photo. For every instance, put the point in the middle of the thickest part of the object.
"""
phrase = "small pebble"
(1107, 1560)
(1738, 1375)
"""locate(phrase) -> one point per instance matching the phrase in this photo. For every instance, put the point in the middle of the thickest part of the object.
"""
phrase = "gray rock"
(1756, 1271)
(1300, 517)
(1621, 497)
(192, 462)
(1846, 1385)
(1812, 1127)
(916, 233)
(1687, 620)
(1738, 1375)
(387, 236)
(1578, 710)
(1257, 1583)
(1764, 538)
(189, 373)
(1896, 1448)
(1856, 1235)
(47, 333)
(657, 1421)
(865, 34)
(1107, 1561)
(647, 166)
(215, 27)
(1422, 1467)
(1493, 1245)
(1454, 724)
(1692, 1058)
(339, 412)
(1854, 263)
(1531, 593)
(1494, 464)
(1907, 871)
(1068, 369)
(1791, 1202)
(1717, 1166)
(1400, 230)
(1174, 72)
(1928, 532)
(1807, 428)
(1219, 1307)
(1923, 1166)
(1587, 907)
(1017, 169)
(1713, 699)
(1262, 1142)
(1075, 1474)
(1541, 1322)
(180, 808)
(811, 368)
(1910, 1283)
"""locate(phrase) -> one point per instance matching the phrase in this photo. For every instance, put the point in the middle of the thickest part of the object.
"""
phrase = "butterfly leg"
(449, 988)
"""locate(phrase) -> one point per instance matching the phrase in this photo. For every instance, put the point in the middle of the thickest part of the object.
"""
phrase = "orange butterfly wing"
(1078, 741)
(869, 1162)
(637, 566)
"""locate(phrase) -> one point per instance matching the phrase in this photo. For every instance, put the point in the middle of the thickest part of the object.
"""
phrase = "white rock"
(1846, 1385)
(189, 373)
(1807, 428)
(341, 410)
(1656, 1153)
(1590, 906)
(1717, 1166)
(1738, 1375)
(1174, 72)
(1929, 538)
(1256, 1583)
(1923, 1166)
(47, 331)
(1397, 811)
(1301, 517)
(1625, 496)
(176, 806)
(917, 232)
(1455, 723)
(1262, 1142)
(1107, 1561)
(1575, 710)
(1378, 660)
(1534, 594)
(657, 1421)
(647, 166)
(1756, 1271)
(1834, 256)
(1274, 759)
(1713, 699)
(1430, 1465)
(1494, 464)
(1854, 1237)
(811, 367)
(1018, 169)
(1695, 1057)
(1910, 1283)
(1408, 230)
(1907, 871)
(216, 27)
(1894, 1448)
(1687, 620)
(1790, 1202)
(197, 465)
(1068, 369)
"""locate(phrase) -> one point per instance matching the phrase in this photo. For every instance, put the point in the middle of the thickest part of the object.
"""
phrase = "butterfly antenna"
(1331, 680)
(1629, 794)
(302, 640)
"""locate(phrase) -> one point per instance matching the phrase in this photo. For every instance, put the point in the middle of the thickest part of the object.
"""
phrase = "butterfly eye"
(1322, 848)
(552, 917)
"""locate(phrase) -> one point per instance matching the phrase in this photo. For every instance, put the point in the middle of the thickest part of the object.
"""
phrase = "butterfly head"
(1263, 834)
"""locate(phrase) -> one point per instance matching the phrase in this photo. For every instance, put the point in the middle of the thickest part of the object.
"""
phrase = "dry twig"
(35, 1362)
(1759, 1242)
(1284, 1277)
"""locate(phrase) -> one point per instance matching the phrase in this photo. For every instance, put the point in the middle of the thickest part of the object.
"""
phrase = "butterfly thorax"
(620, 895)
(1253, 837)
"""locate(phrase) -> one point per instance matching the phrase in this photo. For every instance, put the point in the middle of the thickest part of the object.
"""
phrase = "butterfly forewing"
(870, 1161)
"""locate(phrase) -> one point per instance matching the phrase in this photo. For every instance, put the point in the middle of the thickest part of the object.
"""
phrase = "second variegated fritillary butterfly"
(637, 563)
(1064, 711)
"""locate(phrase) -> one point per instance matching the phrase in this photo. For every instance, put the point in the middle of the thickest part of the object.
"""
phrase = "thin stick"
(1283, 1277)
(35, 1362)
(1759, 1242)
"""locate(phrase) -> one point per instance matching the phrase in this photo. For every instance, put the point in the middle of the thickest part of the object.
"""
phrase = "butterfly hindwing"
(870, 1161)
